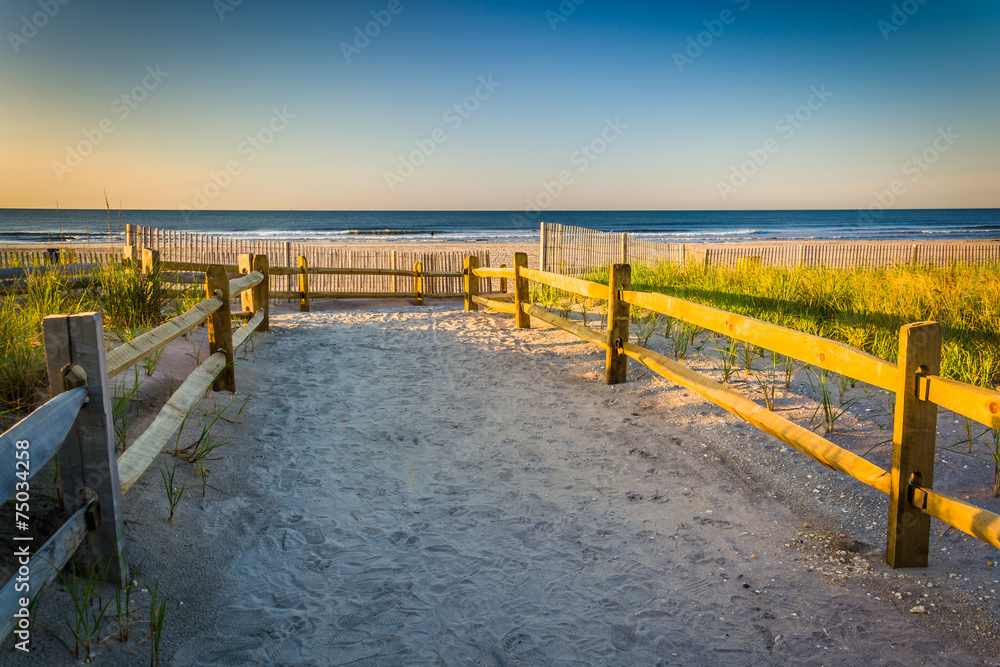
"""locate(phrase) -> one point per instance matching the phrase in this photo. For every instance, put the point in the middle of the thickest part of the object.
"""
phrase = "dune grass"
(130, 302)
(862, 307)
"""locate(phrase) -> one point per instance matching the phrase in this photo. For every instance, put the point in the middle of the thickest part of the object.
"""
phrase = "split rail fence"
(78, 425)
(915, 381)
(574, 250)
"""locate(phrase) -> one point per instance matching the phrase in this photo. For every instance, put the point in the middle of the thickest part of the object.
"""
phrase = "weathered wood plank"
(978, 404)
(147, 446)
(567, 284)
(44, 566)
(792, 434)
(577, 330)
(131, 353)
(836, 357)
(44, 430)
(913, 439)
(240, 335)
(239, 285)
(500, 306)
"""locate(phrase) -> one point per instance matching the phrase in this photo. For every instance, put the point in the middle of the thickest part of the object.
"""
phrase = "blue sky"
(256, 105)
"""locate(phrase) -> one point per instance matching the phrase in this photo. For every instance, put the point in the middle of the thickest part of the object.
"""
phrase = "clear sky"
(741, 104)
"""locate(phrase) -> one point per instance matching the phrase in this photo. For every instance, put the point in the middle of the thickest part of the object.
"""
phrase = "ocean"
(46, 226)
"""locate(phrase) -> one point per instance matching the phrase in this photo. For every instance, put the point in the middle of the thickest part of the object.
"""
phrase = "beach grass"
(130, 302)
(862, 307)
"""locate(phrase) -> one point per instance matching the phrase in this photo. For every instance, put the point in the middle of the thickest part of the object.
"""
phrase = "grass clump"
(129, 300)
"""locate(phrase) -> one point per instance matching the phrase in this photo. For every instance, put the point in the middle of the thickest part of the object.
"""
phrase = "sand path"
(434, 487)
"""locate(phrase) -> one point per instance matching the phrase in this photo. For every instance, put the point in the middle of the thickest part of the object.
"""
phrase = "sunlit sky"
(632, 105)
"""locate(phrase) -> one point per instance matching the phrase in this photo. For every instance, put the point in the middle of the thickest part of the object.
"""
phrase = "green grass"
(130, 302)
(862, 307)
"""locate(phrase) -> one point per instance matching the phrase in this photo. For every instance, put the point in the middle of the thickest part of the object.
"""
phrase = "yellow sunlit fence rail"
(918, 388)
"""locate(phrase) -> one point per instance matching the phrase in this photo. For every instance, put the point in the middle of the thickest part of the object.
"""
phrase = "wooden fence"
(35, 256)
(577, 250)
(574, 250)
(78, 424)
(372, 271)
(915, 381)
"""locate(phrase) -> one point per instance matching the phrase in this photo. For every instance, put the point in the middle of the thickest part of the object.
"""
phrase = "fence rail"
(77, 423)
(568, 249)
(919, 391)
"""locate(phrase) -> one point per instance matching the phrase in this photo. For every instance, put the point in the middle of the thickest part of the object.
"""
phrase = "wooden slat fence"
(185, 247)
(574, 250)
(919, 392)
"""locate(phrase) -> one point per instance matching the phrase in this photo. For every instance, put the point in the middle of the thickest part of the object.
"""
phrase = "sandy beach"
(421, 485)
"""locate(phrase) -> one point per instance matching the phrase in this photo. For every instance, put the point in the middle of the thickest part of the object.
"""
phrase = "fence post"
(521, 319)
(471, 282)
(75, 355)
(150, 261)
(616, 368)
(128, 254)
(913, 442)
(624, 248)
(503, 281)
(543, 250)
(303, 284)
(220, 326)
(418, 283)
(262, 291)
(244, 263)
